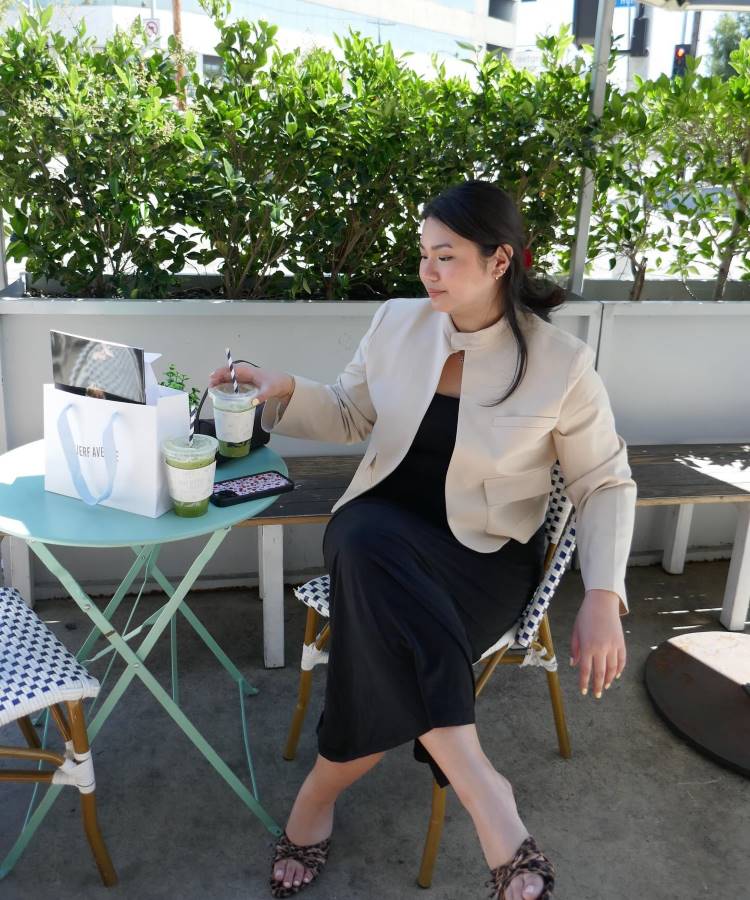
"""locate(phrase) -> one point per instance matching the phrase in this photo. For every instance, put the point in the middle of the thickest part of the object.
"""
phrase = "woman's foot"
(310, 824)
(528, 874)
(311, 858)
(502, 835)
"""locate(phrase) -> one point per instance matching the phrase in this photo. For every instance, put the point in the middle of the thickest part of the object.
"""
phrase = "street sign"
(153, 28)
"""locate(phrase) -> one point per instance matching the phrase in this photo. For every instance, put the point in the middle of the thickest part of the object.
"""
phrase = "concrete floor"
(636, 813)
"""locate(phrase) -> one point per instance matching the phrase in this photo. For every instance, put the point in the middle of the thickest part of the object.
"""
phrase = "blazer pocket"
(517, 504)
(524, 422)
(507, 488)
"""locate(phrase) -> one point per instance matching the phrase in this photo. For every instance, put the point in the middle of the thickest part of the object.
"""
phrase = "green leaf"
(123, 76)
(191, 139)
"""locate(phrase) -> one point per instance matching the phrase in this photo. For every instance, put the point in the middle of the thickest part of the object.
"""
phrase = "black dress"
(412, 607)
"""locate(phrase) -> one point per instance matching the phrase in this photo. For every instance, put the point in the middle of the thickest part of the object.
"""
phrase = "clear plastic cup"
(190, 472)
(234, 415)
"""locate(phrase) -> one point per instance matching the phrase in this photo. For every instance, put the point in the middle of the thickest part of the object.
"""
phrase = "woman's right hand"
(270, 384)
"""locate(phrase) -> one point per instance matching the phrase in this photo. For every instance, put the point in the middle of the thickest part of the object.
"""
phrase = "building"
(422, 27)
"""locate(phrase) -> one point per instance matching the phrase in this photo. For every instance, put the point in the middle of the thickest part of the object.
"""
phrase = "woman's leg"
(488, 798)
(311, 818)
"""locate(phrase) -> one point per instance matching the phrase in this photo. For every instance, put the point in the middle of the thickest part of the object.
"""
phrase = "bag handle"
(74, 465)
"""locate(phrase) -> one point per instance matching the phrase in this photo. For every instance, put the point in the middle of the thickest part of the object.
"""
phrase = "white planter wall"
(675, 372)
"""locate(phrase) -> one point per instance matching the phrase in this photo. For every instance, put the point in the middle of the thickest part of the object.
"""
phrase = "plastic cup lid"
(179, 448)
(228, 388)
(225, 395)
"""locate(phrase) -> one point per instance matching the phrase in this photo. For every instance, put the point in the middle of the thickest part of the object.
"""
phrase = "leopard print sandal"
(529, 858)
(312, 857)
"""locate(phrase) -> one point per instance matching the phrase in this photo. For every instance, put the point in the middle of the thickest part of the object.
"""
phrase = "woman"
(468, 397)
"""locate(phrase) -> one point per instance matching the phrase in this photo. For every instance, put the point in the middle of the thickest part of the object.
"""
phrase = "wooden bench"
(681, 475)
(675, 475)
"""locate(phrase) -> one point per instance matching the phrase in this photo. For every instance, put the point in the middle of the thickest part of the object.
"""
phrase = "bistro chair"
(37, 672)
(527, 643)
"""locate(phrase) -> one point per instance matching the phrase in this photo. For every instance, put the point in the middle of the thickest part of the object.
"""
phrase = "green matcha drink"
(190, 472)
(234, 415)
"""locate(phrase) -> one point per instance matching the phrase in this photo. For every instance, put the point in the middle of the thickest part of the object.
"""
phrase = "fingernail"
(571, 661)
(617, 676)
(607, 686)
(598, 695)
(255, 401)
(585, 691)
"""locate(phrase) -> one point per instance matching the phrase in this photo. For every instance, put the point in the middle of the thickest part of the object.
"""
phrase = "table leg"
(677, 534)
(205, 636)
(245, 688)
(135, 666)
(271, 567)
(737, 590)
(142, 556)
(173, 660)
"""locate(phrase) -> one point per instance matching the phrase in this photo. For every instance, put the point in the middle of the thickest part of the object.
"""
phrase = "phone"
(250, 487)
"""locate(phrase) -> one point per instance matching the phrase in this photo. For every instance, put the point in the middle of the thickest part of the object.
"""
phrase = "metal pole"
(696, 34)
(177, 32)
(602, 45)
(3, 267)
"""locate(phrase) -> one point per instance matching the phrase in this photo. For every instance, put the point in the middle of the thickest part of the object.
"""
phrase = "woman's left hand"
(598, 642)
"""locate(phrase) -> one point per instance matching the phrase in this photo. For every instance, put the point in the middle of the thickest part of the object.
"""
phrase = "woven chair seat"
(36, 670)
(315, 594)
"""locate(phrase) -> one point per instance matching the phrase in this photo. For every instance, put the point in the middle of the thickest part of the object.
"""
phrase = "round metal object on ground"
(700, 684)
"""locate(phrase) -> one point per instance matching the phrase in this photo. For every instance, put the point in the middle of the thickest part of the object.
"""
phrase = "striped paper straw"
(230, 363)
(193, 415)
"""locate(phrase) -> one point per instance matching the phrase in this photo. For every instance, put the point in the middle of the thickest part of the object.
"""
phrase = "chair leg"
(305, 687)
(555, 693)
(29, 732)
(434, 832)
(88, 800)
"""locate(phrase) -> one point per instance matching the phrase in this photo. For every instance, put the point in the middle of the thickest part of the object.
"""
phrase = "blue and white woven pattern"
(315, 593)
(558, 507)
(36, 670)
(559, 528)
(531, 617)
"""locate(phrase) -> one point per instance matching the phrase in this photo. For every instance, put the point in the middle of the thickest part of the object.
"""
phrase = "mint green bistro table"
(46, 520)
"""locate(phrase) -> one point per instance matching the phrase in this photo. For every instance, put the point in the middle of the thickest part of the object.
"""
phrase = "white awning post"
(602, 45)
(3, 267)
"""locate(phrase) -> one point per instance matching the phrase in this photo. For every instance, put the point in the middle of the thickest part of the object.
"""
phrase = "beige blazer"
(498, 479)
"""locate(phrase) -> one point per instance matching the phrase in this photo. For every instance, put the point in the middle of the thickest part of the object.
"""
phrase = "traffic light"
(679, 60)
(639, 38)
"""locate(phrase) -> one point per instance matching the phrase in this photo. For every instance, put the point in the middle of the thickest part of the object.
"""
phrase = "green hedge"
(303, 174)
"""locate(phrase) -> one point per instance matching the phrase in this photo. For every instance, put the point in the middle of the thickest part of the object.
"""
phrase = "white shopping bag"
(108, 453)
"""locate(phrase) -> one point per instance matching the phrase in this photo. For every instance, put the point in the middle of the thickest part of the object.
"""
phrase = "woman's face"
(456, 276)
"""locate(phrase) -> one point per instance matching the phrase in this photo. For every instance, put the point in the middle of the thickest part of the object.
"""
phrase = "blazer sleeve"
(340, 413)
(594, 463)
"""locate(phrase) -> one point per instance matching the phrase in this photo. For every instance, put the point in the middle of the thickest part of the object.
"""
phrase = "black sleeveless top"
(418, 482)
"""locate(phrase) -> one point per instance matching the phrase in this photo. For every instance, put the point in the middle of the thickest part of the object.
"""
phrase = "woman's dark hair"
(487, 215)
